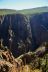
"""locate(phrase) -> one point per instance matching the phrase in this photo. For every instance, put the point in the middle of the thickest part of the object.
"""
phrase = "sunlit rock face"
(22, 33)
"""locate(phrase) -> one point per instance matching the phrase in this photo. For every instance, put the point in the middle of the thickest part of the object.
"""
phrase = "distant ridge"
(33, 10)
(7, 11)
(24, 11)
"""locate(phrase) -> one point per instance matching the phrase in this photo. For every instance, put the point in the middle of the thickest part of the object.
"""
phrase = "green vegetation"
(25, 11)
(34, 10)
(7, 11)
(28, 62)
(40, 63)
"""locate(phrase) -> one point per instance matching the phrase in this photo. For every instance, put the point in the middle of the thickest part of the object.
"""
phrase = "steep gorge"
(27, 32)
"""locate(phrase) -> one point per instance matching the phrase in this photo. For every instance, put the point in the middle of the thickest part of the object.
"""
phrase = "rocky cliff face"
(15, 31)
(39, 28)
(36, 61)
(21, 33)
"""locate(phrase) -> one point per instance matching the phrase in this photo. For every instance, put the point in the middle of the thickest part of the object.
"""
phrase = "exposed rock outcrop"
(8, 63)
(27, 62)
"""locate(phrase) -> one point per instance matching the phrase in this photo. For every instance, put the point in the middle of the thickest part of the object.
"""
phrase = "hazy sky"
(22, 4)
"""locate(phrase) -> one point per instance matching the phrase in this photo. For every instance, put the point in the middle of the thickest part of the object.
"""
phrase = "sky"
(22, 4)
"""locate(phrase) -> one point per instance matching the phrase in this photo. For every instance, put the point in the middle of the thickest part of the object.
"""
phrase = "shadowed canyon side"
(27, 33)
(19, 26)
(39, 28)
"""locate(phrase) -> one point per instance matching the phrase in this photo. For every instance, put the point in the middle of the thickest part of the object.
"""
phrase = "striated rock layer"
(22, 33)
